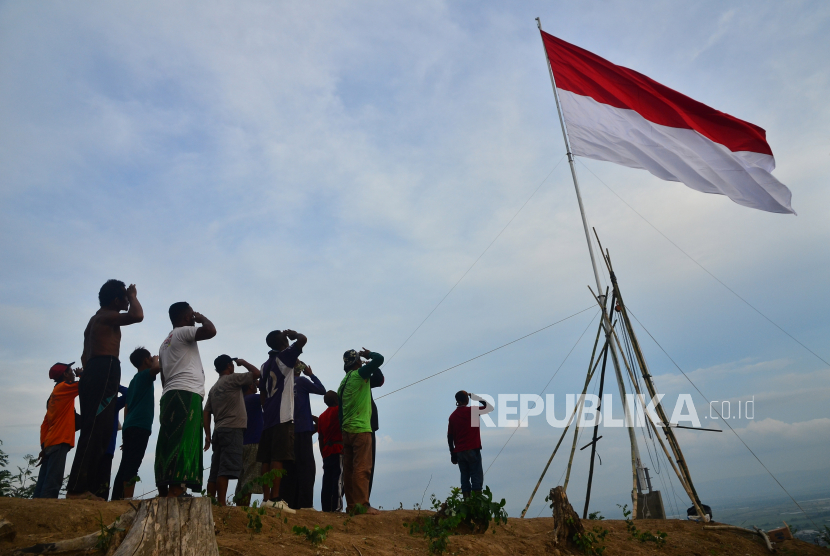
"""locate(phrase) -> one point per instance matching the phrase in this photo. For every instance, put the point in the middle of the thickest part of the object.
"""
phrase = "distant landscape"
(746, 501)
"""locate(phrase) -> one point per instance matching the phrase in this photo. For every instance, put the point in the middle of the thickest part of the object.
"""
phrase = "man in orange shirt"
(57, 433)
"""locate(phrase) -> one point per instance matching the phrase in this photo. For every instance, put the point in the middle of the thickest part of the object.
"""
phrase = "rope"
(485, 353)
(542, 392)
(476, 261)
(726, 422)
(750, 305)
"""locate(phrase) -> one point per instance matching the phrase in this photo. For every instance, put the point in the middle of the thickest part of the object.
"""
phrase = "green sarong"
(179, 447)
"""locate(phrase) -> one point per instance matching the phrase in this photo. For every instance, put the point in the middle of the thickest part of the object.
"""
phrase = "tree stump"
(566, 522)
(7, 530)
(171, 527)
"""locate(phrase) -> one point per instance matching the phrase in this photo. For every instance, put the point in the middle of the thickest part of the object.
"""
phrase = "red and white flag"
(616, 114)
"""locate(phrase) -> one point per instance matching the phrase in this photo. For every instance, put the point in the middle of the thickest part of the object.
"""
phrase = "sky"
(338, 169)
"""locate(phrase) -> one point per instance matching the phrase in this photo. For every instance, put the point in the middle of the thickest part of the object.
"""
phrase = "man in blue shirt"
(297, 488)
(276, 447)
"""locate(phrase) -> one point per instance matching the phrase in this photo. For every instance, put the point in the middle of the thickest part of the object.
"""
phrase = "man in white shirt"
(179, 448)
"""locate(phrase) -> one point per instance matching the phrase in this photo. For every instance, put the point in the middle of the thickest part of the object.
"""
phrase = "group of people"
(262, 421)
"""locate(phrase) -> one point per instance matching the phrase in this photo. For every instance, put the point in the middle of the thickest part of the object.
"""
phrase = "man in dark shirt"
(376, 381)
(297, 487)
(464, 438)
(245, 486)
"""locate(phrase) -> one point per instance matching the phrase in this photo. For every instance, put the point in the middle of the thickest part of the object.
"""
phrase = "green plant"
(824, 536)
(359, 509)
(590, 542)
(315, 536)
(266, 480)
(473, 514)
(254, 513)
(107, 533)
(213, 500)
(596, 515)
(134, 480)
(5, 474)
(25, 479)
(658, 538)
(21, 485)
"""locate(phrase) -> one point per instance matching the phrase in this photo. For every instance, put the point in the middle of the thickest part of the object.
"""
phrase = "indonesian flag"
(616, 114)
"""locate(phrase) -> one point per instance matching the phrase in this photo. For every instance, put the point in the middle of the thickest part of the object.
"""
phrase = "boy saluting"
(57, 433)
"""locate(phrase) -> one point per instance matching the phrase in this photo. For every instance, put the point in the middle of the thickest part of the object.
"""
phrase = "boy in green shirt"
(355, 418)
(138, 421)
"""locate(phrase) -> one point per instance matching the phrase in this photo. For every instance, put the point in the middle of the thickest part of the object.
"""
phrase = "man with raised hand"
(355, 399)
(226, 402)
(464, 438)
(276, 446)
(57, 433)
(98, 386)
(297, 487)
(178, 463)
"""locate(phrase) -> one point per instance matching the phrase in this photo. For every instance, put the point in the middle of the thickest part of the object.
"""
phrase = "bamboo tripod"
(673, 453)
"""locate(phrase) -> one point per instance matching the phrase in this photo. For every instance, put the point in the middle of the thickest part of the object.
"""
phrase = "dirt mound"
(40, 521)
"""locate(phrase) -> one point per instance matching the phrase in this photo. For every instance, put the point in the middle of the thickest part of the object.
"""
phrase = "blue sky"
(336, 170)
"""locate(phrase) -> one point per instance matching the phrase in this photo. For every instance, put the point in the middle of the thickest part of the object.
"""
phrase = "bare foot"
(371, 511)
(175, 492)
(84, 496)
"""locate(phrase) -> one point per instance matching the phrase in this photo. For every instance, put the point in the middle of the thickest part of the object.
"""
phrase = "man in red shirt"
(57, 433)
(464, 438)
(330, 438)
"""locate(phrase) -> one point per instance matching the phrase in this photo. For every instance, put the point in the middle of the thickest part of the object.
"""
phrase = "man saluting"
(99, 385)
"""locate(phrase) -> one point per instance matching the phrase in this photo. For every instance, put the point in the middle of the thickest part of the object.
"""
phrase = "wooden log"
(566, 522)
(79, 544)
(171, 527)
(757, 531)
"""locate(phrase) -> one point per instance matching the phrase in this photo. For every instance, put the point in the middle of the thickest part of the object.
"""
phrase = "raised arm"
(133, 315)
(156, 367)
(207, 330)
(316, 387)
(484, 407)
(299, 339)
(251, 368)
(375, 361)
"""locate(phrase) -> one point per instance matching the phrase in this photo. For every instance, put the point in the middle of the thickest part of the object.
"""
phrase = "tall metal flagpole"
(573, 169)
(635, 451)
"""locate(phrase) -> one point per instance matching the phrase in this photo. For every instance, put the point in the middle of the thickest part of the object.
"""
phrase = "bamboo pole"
(579, 404)
(591, 371)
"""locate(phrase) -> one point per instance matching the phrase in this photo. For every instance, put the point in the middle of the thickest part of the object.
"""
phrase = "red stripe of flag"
(584, 73)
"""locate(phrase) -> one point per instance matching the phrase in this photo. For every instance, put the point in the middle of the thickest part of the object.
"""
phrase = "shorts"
(227, 454)
(276, 443)
(251, 469)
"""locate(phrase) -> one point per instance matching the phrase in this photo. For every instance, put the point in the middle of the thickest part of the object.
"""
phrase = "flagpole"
(635, 451)
(573, 167)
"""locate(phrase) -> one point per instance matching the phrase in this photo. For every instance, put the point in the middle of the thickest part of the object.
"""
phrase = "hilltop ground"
(51, 520)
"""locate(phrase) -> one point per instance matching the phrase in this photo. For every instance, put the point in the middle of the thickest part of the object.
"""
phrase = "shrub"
(472, 514)
(658, 538)
(315, 536)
